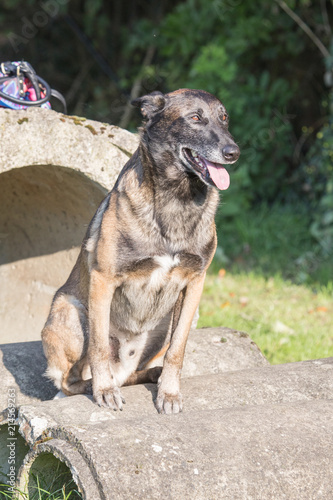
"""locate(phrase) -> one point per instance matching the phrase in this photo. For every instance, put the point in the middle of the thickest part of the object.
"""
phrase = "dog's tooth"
(193, 153)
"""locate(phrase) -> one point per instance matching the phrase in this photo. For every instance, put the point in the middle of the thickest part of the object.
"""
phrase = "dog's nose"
(231, 152)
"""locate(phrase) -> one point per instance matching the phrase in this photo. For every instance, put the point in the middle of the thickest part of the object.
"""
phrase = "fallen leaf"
(225, 304)
(318, 309)
(222, 273)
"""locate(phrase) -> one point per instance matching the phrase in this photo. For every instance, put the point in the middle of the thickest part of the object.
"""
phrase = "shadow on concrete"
(44, 209)
(24, 368)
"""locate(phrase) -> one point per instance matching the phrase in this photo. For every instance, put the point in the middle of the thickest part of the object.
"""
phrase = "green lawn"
(270, 280)
(289, 322)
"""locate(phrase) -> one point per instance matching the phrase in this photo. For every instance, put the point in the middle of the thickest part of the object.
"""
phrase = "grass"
(59, 486)
(64, 493)
(270, 280)
(288, 322)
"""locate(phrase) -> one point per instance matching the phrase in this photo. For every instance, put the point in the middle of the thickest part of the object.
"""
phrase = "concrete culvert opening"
(44, 214)
(48, 474)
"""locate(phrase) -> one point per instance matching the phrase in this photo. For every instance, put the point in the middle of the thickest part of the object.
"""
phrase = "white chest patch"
(166, 263)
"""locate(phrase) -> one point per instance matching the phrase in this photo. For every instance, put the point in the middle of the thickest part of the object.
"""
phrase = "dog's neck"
(182, 204)
(178, 212)
(163, 173)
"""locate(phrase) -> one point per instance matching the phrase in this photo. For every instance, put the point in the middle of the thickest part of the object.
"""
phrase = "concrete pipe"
(264, 432)
(54, 171)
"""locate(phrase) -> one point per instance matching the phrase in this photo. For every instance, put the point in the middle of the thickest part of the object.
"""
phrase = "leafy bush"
(317, 182)
(250, 56)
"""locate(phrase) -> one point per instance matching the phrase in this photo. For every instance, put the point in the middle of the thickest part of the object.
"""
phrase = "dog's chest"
(165, 264)
(151, 291)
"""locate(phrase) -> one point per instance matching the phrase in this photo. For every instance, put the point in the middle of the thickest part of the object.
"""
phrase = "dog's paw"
(168, 403)
(109, 398)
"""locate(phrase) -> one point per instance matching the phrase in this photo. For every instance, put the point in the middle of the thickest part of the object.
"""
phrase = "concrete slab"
(279, 384)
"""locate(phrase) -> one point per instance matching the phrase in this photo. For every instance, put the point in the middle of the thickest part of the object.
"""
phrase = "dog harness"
(21, 87)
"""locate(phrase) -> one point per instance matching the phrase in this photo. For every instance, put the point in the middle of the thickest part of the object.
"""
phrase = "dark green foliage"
(263, 67)
(317, 177)
(252, 55)
(272, 240)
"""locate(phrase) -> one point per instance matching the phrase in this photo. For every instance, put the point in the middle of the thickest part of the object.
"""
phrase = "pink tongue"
(219, 175)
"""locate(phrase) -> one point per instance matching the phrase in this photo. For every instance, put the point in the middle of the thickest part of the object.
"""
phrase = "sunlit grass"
(274, 283)
(289, 322)
(40, 494)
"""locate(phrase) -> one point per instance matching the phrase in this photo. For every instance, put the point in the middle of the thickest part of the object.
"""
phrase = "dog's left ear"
(150, 104)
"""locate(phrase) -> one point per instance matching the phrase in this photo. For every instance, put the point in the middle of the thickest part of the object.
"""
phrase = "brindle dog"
(137, 282)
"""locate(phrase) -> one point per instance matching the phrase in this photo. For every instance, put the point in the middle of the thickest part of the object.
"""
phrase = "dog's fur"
(137, 282)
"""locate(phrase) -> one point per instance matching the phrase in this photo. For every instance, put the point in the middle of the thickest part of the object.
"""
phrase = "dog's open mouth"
(211, 173)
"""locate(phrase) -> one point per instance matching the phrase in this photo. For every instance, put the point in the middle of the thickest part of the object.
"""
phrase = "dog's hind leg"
(73, 382)
(65, 374)
(64, 345)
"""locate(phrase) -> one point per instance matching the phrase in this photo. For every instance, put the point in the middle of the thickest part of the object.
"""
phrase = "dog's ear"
(150, 104)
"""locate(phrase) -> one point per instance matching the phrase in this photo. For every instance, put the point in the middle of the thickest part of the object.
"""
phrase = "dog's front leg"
(101, 291)
(169, 399)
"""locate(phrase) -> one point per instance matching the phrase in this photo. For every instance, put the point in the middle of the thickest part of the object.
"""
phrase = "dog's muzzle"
(214, 174)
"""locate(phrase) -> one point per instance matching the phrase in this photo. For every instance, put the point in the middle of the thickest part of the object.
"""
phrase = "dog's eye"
(195, 118)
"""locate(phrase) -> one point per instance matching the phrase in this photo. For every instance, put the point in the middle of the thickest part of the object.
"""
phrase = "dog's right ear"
(150, 104)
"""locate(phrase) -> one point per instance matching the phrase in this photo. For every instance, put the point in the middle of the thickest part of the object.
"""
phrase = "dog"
(134, 290)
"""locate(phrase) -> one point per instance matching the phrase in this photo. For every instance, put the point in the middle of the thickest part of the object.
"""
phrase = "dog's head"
(190, 128)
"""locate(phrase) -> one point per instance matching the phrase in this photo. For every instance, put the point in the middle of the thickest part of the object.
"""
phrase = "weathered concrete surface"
(22, 364)
(214, 350)
(95, 149)
(52, 179)
(260, 433)
(289, 383)
(275, 451)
